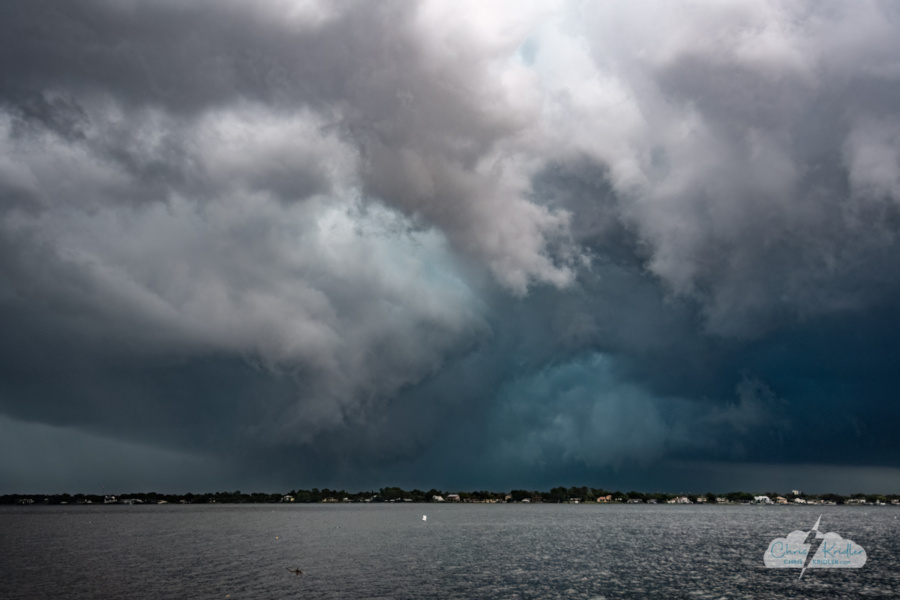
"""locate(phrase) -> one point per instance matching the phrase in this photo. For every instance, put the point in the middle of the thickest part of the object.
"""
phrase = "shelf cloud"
(442, 243)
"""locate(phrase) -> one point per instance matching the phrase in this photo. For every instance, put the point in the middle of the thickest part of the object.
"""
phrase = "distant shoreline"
(559, 495)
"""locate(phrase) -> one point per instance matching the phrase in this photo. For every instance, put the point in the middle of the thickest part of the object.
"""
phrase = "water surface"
(461, 551)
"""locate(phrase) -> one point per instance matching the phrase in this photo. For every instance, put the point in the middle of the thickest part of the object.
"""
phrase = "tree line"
(395, 494)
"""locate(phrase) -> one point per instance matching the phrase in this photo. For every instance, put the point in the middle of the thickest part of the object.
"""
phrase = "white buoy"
(424, 517)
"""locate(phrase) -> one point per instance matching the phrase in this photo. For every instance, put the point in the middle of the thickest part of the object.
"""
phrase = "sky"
(460, 245)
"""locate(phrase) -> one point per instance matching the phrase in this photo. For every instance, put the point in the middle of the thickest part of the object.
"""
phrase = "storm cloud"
(288, 244)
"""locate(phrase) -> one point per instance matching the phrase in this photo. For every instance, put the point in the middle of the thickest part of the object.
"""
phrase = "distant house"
(607, 498)
(799, 501)
(701, 500)
(781, 500)
(453, 497)
(762, 500)
(437, 498)
(287, 498)
(683, 500)
(721, 500)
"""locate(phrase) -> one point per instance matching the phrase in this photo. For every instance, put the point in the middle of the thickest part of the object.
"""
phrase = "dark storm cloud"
(354, 241)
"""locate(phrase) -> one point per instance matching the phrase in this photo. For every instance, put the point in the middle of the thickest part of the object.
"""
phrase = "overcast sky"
(305, 243)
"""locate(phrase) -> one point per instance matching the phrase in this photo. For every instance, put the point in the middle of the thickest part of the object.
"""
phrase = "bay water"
(461, 551)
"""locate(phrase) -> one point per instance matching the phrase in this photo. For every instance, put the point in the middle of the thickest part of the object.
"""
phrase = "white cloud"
(872, 154)
(722, 126)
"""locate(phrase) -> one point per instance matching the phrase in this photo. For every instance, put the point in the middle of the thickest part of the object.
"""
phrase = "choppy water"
(462, 551)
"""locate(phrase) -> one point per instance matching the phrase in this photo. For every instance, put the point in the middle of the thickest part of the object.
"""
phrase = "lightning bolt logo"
(814, 539)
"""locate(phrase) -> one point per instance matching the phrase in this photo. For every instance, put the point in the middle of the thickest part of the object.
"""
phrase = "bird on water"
(296, 571)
